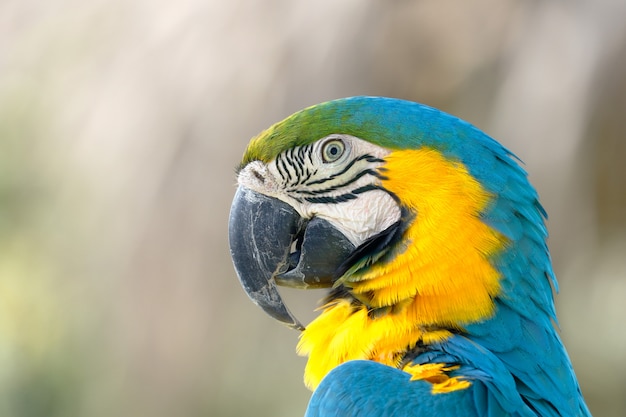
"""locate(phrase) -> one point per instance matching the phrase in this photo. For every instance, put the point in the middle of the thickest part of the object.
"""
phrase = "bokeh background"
(121, 122)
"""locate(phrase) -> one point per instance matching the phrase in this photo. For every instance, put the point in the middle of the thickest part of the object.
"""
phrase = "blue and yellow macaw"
(433, 245)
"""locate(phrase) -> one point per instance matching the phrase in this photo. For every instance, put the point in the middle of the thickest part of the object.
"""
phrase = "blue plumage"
(513, 358)
(366, 388)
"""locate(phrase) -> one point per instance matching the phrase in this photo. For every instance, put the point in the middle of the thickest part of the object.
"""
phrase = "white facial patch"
(334, 178)
(361, 218)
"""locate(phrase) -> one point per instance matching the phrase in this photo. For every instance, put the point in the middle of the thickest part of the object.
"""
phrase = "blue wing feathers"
(365, 388)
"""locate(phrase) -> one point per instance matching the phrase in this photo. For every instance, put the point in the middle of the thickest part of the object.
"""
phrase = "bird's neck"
(438, 278)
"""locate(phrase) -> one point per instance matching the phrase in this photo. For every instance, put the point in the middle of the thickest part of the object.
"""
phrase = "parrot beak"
(271, 245)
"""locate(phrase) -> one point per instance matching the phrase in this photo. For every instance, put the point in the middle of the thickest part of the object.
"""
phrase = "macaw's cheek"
(362, 218)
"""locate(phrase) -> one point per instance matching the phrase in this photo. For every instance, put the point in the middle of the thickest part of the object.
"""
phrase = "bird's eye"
(332, 150)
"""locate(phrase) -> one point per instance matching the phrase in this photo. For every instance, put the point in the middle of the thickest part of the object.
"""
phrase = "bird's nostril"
(258, 175)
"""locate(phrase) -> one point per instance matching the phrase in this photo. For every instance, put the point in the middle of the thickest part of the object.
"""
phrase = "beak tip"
(269, 300)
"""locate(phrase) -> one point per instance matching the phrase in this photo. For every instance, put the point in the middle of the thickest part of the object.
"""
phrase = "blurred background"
(121, 122)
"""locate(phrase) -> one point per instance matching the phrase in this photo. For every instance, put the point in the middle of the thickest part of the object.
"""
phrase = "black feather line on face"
(367, 157)
(331, 200)
(282, 169)
(338, 186)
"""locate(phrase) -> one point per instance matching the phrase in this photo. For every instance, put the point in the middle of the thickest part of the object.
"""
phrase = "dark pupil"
(334, 150)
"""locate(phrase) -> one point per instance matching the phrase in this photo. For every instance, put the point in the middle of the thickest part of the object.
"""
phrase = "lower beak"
(271, 244)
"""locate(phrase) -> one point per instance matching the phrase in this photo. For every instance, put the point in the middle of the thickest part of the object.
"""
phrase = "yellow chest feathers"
(441, 280)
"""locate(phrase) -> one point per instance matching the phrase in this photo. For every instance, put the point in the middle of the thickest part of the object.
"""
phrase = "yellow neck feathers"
(442, 280)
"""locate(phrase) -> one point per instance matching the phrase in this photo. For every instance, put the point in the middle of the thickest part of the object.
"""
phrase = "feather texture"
(464, 284)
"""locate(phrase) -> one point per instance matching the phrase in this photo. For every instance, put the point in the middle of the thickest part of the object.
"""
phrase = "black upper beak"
(271, 244)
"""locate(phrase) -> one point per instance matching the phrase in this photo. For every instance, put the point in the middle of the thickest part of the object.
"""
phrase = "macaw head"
(401, 209)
